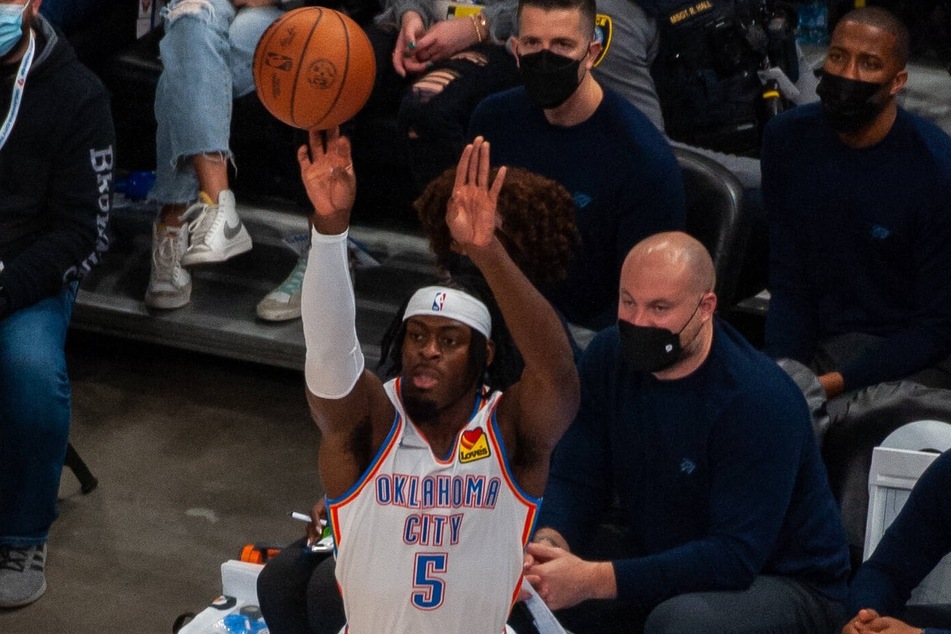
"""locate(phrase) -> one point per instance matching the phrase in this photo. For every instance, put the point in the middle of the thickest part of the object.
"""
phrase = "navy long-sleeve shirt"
(55, 174)
(860, 241)
(911, 547)
(718, 473)
(621, 172)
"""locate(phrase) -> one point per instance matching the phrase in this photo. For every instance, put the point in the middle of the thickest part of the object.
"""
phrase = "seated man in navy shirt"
(910, 549)
(707, 446)
(562, 124)
(858, 193)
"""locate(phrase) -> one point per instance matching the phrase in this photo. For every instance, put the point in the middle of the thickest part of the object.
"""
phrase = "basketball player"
(432, 479)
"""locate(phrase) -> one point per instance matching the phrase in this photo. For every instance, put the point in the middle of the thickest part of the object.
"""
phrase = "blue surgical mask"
(11, 25)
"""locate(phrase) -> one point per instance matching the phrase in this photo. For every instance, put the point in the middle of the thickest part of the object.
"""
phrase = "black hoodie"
(56, 175)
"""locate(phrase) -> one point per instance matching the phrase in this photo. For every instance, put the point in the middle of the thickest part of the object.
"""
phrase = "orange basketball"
(314, 68)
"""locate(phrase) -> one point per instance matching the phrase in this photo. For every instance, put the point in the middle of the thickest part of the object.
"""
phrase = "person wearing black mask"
(706, 448)
(858, 192)
(562, 124)
(858, 196)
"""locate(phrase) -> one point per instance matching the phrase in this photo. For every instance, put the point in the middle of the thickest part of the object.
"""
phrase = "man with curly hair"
(536, 224)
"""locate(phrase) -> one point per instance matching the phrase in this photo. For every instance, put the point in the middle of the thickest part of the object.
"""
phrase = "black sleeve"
(79, 186)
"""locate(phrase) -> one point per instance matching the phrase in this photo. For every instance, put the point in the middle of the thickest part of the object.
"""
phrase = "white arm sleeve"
(334, 359)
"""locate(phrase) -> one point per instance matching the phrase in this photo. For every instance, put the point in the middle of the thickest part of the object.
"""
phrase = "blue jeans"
(34, 416)
(207, 53)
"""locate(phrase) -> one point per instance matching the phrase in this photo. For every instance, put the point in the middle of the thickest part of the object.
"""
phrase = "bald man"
(708, 448)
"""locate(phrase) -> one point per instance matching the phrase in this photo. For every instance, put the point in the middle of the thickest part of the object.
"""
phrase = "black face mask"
(849, 104)
(648, 348)
(549, 78)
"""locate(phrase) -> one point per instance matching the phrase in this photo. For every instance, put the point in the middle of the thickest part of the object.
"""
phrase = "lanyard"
(18, 87)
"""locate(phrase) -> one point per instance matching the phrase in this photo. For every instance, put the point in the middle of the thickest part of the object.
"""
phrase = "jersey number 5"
(429, 589)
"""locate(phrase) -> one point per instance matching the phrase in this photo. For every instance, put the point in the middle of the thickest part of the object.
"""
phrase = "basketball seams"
(300, 65)
(264, 44)
(346, 70)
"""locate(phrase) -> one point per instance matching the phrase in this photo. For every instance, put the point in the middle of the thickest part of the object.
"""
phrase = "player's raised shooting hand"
(327, 173)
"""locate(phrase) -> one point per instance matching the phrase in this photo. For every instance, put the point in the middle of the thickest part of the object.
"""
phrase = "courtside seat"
(896, 467)
(715, 217)
(867, 420)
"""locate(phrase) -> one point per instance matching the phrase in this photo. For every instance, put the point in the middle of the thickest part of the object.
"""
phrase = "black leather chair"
(715, 217)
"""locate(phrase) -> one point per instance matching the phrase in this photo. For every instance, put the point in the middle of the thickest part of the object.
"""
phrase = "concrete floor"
(196, 456)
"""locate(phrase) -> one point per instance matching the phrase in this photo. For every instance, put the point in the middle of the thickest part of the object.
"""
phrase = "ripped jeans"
(207, 53)
(433, 124)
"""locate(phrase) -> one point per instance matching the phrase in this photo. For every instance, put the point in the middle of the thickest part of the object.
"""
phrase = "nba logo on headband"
(451, 304)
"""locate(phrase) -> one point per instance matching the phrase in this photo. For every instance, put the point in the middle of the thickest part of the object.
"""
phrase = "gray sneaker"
(170, 286)
(22, 574)
(216, 230)
(283, 303)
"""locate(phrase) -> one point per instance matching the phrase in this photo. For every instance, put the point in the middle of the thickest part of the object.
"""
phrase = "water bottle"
(248, 620)
(136, 185)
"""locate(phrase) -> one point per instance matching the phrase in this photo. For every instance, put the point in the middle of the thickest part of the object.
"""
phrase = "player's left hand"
(470, 214)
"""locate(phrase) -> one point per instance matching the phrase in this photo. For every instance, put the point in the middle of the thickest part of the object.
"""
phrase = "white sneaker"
(283, 303)
(170, 286)
(216, 230)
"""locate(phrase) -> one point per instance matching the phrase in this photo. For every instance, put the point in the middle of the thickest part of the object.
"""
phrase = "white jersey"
(427, 544)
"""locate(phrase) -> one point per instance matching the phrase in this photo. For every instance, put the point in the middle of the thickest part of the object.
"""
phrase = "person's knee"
(285, 574)
(37, 405)
(250, 24)
(421, 110)
(270, 586)
(188, 7)
(683, 614)
(36, 366)
(202, 13)
(434, 103)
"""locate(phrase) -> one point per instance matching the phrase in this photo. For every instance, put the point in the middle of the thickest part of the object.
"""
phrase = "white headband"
(441, 301)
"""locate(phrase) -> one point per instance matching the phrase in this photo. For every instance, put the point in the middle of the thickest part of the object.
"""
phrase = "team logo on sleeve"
(603, 31)
(474, 445)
